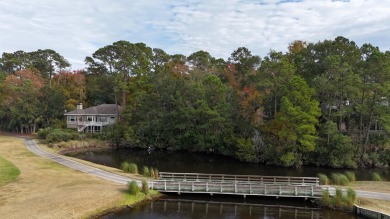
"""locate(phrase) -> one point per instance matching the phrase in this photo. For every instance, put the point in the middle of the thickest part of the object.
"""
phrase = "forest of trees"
(324, 103)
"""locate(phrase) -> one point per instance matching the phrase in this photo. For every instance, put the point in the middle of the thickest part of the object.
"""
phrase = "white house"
(92, 119)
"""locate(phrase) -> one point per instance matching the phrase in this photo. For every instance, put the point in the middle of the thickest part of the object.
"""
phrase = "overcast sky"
(77, 28)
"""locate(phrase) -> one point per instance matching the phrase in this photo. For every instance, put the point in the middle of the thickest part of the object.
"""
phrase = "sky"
(77, 28)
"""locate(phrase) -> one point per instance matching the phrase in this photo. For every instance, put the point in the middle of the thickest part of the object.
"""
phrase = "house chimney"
(80, 106)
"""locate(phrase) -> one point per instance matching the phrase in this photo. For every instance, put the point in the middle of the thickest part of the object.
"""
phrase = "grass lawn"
(8, 171)
(45, 189)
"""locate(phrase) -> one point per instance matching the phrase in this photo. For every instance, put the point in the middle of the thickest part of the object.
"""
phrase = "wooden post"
(192, 186)
(179, 185)
(207, 186)
(235, 187)
(165, 185)
(265, 189)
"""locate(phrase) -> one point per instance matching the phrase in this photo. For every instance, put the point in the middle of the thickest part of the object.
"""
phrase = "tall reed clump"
(376, 176)
(351, 176)
(145, 171)
(351, 198)
(324, 180)
(344, 180)
(339, 179)
(151, 171)
(338, 198)
(145, 187)
(326, 198)
(336, 180)
(125, 166)
(133, 188)
(156, 173)
(133, 168)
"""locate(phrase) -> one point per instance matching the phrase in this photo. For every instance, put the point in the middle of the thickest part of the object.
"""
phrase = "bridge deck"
(286, 180)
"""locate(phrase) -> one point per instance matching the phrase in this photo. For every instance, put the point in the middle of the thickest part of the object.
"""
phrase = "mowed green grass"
(8, 171)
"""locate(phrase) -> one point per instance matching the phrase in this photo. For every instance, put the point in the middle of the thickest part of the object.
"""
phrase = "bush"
(58, 135)
(351, 176)
(145, 171)
(125, 166)
(343, 180)
(324, 180)
(376, 176)
(133, 188)
(145, 187)
(42, 133)
(133, 168)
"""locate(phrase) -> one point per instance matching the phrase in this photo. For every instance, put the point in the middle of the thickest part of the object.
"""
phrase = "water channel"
(185, 206)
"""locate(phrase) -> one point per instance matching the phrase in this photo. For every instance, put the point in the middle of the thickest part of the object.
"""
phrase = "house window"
(90, 118)
(71, 118)
(103, 119)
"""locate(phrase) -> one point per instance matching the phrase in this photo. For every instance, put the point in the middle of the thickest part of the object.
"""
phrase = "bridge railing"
(289, 180)
(238, 188)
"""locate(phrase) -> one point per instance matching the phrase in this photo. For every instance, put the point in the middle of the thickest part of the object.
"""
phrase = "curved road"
(33, 147)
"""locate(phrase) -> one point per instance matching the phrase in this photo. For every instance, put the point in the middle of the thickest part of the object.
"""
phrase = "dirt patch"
(45, 189)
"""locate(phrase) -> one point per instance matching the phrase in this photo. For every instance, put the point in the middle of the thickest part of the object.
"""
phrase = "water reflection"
(192, 208)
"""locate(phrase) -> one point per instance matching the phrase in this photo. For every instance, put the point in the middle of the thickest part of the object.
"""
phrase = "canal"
(218, 207)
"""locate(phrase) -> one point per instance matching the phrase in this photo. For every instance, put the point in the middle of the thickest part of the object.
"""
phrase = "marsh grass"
(145, 171)
(133, 168)
(145, 187)
(376, 176)
(125, 166)
(324, 180)
(133, 188)
(351, 176)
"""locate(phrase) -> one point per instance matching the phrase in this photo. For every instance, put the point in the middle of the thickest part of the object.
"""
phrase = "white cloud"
(77, 28)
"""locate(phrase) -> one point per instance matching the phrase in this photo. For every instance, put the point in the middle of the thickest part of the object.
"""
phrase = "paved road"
(32, 146)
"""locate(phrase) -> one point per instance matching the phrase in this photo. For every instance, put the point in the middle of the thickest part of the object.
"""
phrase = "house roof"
(104, 109)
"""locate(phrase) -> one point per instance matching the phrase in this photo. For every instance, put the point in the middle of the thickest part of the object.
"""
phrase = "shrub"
(145, 187)
(58, 135)
(42, 133)
(351, 176)
(336, 179)
(376, 176)
(343, 180)
(125, 166)
(133, 188)
(151, 171)
(324, 180)
(133, 168)
(145, 171)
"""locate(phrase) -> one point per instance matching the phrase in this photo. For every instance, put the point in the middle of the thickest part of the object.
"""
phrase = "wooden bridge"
(245, 185)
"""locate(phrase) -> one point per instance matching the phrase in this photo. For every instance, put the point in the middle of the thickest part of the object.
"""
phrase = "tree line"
(323, 103)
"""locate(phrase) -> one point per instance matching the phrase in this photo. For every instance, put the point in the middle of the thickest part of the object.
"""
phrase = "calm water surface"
(206, 163)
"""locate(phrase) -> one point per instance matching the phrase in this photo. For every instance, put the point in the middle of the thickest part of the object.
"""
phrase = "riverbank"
(45, 189)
